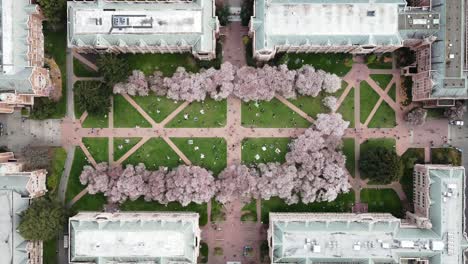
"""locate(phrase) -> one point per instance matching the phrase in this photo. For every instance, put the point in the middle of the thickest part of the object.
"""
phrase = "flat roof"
(331, 19)
(131, 236)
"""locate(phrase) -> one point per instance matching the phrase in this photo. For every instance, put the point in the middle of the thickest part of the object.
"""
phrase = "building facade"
(435, 31)
(433, 234)
(134, 237)
(143, 27)
(17, 188)
(22, 75)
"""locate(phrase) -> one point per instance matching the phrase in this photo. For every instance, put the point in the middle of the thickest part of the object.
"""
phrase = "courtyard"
(214, 134)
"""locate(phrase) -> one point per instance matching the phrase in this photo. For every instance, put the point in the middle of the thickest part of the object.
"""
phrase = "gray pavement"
(19, 133)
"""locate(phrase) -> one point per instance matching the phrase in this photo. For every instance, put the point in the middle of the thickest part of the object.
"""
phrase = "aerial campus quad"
(204, 182)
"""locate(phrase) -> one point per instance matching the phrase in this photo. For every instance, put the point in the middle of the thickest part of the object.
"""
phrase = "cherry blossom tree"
(237, 182)
(156, 84)
(187, 184)
(135, 85)
(331, 124)
(330, 102)
(308, 81)
(277, 180)
(331, 83)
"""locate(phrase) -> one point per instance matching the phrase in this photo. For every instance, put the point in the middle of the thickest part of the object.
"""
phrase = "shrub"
(223, 15)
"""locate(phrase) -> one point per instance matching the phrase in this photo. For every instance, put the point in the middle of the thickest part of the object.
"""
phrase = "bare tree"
(456, 112)
(416, 116)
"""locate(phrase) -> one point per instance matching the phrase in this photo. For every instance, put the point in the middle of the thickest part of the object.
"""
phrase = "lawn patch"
(56, 167)
(379, 61)
(123, 145)
(265, 148)
(157, 107)
(348, 151)
(392, 92)
(342, 204)
(165, 63)
(125, 115)
(50, 251)
(96, 121)
(382, 80)
(249, 212)
(82, 70)
(446, 156)
(338, 63)
(368, 100)
(272, 114)
(98, 148)
(89, 202)
(347, 108)
(217, 211)
(209, 153)
(208, 113)
(382, 201)
(74, 185)
(154, 153)
(384, 117)
(204, 253)
(142, 205)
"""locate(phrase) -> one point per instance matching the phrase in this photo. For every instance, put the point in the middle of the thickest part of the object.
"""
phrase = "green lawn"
(125, 115)
(446, 156)
(209, 153)
(409, 158)
(217, 211)
(57, 164)
(154, 153)
(382, 201)
(50, 252)
(382, 80)
(342, 204)
(204, 253)
(253, 146)
(55, 46)
(347, 108)
(142, 205)
(89, 202)
(74, 186)
(338, 63)
(157, 107)
(126, 144)
(249, 212)
(435, 113)
(96, 121)
(368, 100)
(209, 113)
(98, 148)
(81, 70)
(348, 151)
(165, 63)
(384, 117)
(270, 114)
(392, 92)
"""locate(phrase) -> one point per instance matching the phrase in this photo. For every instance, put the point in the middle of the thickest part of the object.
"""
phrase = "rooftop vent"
(371, 13)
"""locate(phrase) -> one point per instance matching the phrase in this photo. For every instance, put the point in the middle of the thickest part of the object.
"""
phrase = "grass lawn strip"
(265, 149)
(382, 80)
(50, 252)
(338, 63)
(56, 167)
(154, 153)
(209, 113)
(74, 186)
(348, 151)
(165, 63)
(142, 205)
(272, 114)
(82, 70)
(125, 115)
(382, 201)
(342, 204)
(384, 117)
(249, 212)
(347, 108)
(368, 100)
(123, 145)
(409, 158)
(93, 121)
(98, 148)
(89, 202)
(209, 153)
(157, 107)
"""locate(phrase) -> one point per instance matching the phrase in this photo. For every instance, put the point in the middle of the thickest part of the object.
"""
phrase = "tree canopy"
(53, 10)
(42, 220)
(92, 96)
(113, 68)
(381, 164)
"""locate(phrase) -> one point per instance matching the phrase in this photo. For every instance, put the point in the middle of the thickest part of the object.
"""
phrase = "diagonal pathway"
(88, 155)
(85, 61)
(132, 150)
(343, 96)
(295, 108)
(140, 110)
(177, 150)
